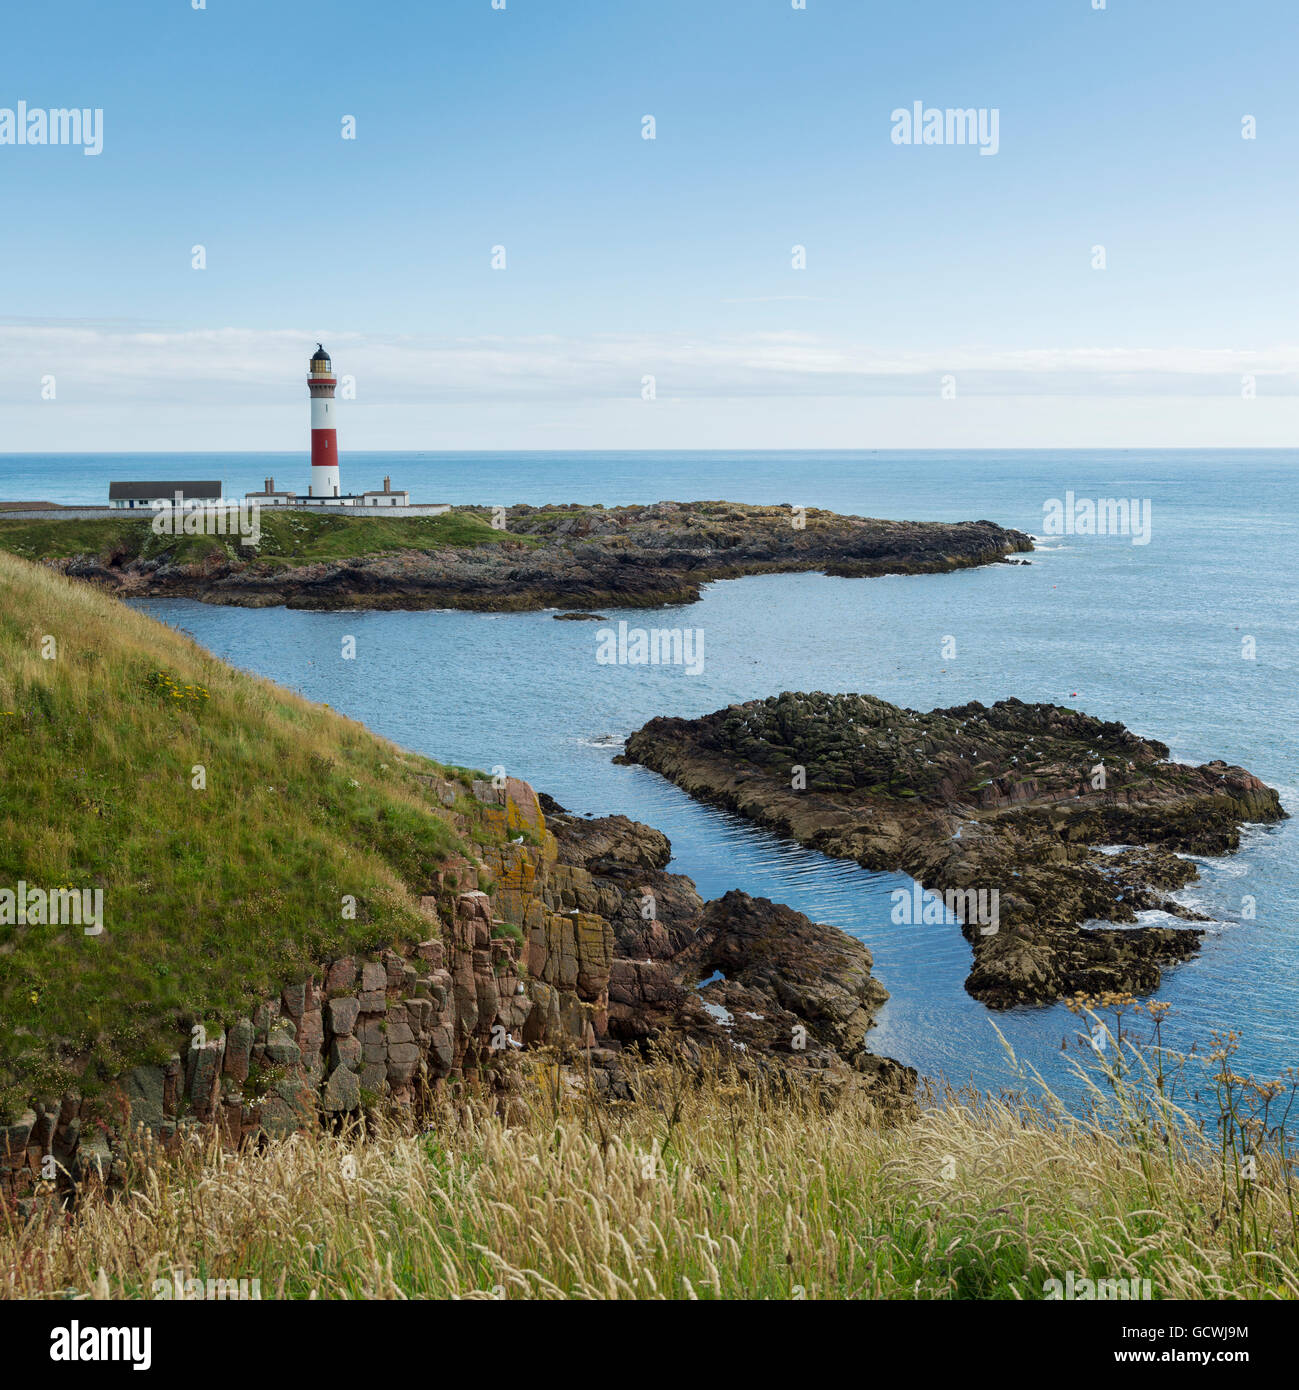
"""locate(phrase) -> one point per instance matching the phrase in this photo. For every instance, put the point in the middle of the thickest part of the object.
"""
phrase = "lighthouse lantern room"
(324, 433)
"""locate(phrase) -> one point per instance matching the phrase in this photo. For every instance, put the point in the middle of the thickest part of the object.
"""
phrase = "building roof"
(320, 355)
(163, 487)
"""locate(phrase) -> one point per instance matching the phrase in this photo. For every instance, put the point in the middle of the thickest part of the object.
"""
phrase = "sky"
(649, 296)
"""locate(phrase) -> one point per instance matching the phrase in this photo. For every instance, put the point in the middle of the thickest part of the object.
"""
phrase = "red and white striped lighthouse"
(324, 435)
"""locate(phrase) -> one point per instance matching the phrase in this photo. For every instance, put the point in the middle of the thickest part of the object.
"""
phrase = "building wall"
(144, 504)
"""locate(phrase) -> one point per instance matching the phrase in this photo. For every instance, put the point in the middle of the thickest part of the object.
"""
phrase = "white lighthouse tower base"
(324, 449)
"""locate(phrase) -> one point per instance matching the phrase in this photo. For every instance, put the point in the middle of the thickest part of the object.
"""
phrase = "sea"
(1187, 631)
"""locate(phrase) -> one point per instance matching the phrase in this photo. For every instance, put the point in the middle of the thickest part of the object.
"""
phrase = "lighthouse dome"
(321, 368)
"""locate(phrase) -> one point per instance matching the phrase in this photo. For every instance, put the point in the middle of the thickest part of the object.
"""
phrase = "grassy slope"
(209, 896)
(287, 538)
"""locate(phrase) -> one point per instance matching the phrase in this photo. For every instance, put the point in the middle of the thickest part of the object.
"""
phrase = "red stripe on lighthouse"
(324, 448)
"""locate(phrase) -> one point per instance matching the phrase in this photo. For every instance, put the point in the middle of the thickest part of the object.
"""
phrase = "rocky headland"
(572, 557)
(569, 936)
(1067, 818)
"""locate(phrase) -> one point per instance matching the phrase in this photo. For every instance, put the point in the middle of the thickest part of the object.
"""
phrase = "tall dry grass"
(697, 1188)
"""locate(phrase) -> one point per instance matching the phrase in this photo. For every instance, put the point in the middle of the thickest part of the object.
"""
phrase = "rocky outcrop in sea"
(1067, 819)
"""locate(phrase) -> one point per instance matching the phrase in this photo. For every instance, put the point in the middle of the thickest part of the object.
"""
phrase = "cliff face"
(568, 557)
(1014, 799)
(568, 936)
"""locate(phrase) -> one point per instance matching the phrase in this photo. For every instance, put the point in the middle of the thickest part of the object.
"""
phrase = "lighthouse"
(324, 433)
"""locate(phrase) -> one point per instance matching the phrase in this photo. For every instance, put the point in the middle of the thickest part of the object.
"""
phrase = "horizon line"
(862, 449)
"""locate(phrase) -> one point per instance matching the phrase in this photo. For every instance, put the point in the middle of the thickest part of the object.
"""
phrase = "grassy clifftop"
(288, 538)
(223, 818)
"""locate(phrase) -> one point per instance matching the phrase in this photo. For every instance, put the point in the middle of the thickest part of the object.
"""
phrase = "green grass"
(288, 538)
(305, 539)
(60, 540)
(211, 897)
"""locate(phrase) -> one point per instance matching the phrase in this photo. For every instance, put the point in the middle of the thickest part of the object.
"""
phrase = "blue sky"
(670, 258)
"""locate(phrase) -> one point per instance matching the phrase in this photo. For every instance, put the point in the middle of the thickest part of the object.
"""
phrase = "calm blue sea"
(1149, 634)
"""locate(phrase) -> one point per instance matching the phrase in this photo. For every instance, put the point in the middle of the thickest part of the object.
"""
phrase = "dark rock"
(341, 1014)
(294, 1000)
(1007, 799)
(342, 1091)
(341, 975)
(239, 1047)
(144, 1094)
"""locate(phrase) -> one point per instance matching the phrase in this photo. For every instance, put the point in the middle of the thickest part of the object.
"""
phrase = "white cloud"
(142, 387)
(115, 364)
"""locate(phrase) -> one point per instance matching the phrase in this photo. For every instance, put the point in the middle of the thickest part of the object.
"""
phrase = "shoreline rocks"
(1011, 799)
(574, 557)
(749, 978)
